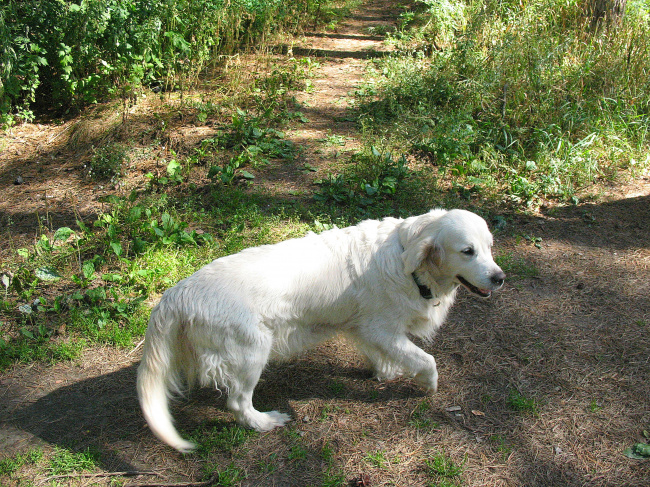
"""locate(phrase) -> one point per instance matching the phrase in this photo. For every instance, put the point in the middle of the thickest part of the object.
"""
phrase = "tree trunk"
(605, 12)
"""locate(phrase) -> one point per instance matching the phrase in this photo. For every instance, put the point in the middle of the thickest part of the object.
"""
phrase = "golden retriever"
(377, 283)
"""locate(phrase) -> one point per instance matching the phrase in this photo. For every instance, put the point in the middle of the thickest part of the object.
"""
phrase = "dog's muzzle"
(497, 279)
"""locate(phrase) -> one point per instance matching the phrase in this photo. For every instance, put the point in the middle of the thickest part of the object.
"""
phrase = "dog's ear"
(419, 251)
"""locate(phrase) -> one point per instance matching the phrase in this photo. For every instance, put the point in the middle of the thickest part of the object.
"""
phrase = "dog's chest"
(425, 321)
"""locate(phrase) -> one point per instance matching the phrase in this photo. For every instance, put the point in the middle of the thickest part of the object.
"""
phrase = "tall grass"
(525, 98)
(61, 54)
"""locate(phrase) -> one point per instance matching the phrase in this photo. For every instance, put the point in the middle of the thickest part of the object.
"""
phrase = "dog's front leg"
(403, 352)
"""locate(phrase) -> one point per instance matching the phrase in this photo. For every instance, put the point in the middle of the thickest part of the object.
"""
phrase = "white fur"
(222, 325)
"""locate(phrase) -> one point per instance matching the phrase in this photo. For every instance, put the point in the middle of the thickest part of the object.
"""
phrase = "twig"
(130, 473)
(211, 481)
(136, 348)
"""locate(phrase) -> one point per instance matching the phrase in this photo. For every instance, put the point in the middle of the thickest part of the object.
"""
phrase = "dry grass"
(545, 384)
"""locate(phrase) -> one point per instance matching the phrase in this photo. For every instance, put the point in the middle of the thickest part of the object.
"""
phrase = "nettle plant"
(374, 177)
(254, 143)
(88, 284)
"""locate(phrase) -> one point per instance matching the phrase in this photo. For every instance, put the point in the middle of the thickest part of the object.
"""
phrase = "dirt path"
(342, 55)
(544, 384)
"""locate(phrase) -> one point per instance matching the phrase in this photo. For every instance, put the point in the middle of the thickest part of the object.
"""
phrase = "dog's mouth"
(484, 293)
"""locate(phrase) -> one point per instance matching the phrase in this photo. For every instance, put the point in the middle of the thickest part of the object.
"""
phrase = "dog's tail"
(158, 376)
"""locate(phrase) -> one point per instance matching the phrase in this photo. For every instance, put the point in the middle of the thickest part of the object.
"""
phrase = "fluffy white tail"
(156, 376)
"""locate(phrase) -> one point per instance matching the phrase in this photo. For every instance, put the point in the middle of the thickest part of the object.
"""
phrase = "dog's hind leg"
(244, 373)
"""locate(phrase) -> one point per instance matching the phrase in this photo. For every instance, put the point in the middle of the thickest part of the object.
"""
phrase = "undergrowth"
(62, 55)
(516, 102)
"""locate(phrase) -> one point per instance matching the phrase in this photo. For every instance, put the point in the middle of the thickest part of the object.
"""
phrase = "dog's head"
(451, 248)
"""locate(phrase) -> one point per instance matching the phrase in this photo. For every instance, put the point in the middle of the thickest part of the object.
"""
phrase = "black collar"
(425, 291)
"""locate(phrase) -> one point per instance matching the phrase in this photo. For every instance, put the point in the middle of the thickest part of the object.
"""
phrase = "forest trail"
(342, 54)
(546, 383)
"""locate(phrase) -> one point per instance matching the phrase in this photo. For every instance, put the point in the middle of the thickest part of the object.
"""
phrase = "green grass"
(211, 438)
(516, 267)
(443, 470)
(377, 459)
(9, 466)
(226, 477)
(537, 110)
(517, 401)
(420, 417)
(63, 461)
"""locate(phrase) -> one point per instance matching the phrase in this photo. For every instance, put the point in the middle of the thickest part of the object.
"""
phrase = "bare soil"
(570, 333)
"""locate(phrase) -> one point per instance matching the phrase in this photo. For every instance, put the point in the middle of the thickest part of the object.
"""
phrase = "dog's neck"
(425, 291)
(432, 288)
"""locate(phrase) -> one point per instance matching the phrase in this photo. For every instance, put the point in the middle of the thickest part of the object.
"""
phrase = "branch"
(211, 481)
(130, 473)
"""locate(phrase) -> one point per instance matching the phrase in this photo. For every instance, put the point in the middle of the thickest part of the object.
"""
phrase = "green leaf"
(44, 243)
(247, 175)
(173, 168)
(63, 234)
(639, 451)
(25, 332)
(88, 269)
(47, 274)
(24, 253)
(112, 277)
(117, 248)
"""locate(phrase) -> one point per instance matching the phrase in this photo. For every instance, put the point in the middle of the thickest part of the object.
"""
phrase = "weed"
(174, 174)
(594, 406)
(333, 478)
(377, 459)
(374, 177)
(297, 452)
(516, 267)
(337, 388)
(227, 477)
(10, 465)
(64, 461)
(502, 445)
(107, 162)
(443, 469)
(222, 438)
(420, 418)
(467, 107)
(335, 139)
(518, 402)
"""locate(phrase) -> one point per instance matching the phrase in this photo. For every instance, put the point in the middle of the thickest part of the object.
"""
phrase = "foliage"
(64, 461)
(518, 402)
(524, 101)
(374, 177)
(444, 470)
(60, 55)
(106, 162)
(89, 284)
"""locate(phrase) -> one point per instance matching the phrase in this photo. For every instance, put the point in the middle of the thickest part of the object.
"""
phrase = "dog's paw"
(266, 421)
(428, 380)
(279, 419)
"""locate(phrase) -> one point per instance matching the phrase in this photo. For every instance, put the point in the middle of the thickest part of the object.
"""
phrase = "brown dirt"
(571, 330)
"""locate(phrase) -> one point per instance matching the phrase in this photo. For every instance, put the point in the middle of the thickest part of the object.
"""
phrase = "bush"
(106, 163)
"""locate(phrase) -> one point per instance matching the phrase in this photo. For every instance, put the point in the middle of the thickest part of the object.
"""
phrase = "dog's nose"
(498, 278)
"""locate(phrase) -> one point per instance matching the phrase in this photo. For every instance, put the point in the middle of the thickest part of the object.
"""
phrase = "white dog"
(377, 282)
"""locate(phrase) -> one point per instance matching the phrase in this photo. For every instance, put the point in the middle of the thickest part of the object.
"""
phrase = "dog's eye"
(468, 251)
